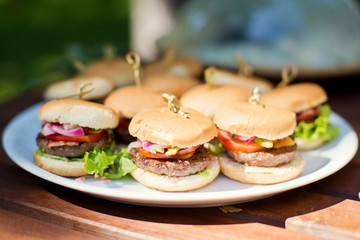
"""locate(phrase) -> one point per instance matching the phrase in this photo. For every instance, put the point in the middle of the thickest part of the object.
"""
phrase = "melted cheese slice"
(285, 142)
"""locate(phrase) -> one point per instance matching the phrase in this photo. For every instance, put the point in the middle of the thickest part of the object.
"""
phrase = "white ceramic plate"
(19, 143)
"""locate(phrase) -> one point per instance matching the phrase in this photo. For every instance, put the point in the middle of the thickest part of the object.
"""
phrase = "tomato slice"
(86, 138)
(182, 154)
(237, 145)
(308, 114)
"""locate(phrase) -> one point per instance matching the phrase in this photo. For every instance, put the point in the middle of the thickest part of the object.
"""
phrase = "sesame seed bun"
(102, 86)
(225, 77)
(79, 112)
(259, 120)
(128, 101)
(296, 97)
(164, 127)
(171, 84)
(116, 69)
(261, 175)
(176, 184)
(208, 100)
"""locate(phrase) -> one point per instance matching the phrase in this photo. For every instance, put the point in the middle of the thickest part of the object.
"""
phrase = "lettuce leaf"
(205, 173)
(123, 165)
(108, 164)
(321, 128)
(216, 149)
(97, 161)
(41, 152)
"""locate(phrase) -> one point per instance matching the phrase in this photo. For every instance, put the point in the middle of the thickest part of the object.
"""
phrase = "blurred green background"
(39, 39)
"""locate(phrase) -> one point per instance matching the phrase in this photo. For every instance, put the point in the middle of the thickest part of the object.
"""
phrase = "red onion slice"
(135, 144)
(47, 131)
(154, 148)
(228, 135)
(146, 144)
(249, 140)
(243, 138)
(185, 151)
(75, 132)
(69, 126)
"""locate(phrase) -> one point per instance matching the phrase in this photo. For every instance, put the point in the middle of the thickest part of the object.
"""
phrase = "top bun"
(184, 66)
(102, 86)
(208, 100)
(259, 120)
(79, 112)
(225, 77)
(116, 69)
(128, 101)
(297, 97)
(164, 127)
(171, 84)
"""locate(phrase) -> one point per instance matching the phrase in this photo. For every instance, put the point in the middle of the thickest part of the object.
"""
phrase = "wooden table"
(32, 208)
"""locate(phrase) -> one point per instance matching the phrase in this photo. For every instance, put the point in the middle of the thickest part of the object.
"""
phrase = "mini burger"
(258, 143)
(127, 101)
(114, 68)
(312, 115)
(184, 66)
(176, 85)
(95, 87)
(169, 152)
(208, 100)
(70, 128)
(222, 77)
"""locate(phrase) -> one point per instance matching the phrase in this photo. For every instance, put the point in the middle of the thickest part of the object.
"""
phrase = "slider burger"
(169, 152)
(259, 147)
(127, 101)
(95, 87)
(184, 66)
(208, 98)
(222, 77)
(307, 101)
(70, 129)
(176, 85)
(115, 69)
(112, 67)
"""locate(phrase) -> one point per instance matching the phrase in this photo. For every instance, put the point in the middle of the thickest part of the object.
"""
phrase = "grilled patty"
(173, 167)
(72, 151)
(267, 158)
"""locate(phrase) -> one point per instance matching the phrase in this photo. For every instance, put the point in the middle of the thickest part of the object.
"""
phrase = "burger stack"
(182, 147)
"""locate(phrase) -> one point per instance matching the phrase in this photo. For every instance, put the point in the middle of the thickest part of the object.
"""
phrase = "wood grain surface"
(47, 210)
(340, 221)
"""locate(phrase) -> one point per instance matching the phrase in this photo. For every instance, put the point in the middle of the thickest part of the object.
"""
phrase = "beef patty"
(173, 167)
(72, 151)
(267, 158)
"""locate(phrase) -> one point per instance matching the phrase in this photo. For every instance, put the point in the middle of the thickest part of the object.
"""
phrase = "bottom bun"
(176, 184)
(308, 145)
(59, 167)
(261, 175)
